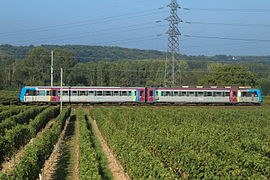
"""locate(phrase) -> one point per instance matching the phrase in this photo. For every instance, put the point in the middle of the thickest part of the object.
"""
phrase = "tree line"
(34, 70)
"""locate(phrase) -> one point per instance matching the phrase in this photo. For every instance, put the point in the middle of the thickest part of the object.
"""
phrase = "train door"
(55, 96)
(142, 95)
(233, 96)
(150, 95)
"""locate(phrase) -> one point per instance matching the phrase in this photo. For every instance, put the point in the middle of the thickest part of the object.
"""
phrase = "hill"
(84, 53)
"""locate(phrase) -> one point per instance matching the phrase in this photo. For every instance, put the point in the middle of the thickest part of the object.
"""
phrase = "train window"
(30, 92)
(74, 93)
(54, 93)
(151, 93)
(226, 94)
(135, 93)
(168, 93)
(82, 93)
(123, 93)
(99, 93)
(48, 93)
(184, 93)
(40, 93)
(129, 93)
(65, 93)
(157, 93)
(200, 94)
(191, 93)
(142, 93)
(116, 93)
(209, 94)
(234, 94)
(247, 94)
(108, 93)
(162, 93)
(91, 93)
(175, 93)
(219, 94)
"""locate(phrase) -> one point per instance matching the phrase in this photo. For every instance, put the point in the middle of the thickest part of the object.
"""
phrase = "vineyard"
(8, 97)
(189, 143)
(146, 142)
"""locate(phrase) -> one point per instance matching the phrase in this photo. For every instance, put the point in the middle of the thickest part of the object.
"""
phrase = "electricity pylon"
(173, 44)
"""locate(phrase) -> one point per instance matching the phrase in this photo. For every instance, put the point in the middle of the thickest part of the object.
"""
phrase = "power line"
(84, 22)
(229, 24)
(226, 38)
(93, 33)
(85, 10)
(229, 9)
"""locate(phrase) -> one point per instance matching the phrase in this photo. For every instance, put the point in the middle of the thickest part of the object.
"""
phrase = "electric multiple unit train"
(129, 95)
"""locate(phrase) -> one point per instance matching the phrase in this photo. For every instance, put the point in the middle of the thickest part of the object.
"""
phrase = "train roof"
(82, 87)
(176, 87)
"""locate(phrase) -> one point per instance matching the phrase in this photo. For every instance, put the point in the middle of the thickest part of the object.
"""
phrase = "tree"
(37, 67)
(230, 75)
(63, 59)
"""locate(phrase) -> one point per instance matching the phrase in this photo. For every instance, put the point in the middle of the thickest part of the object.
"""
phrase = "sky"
(209, 27)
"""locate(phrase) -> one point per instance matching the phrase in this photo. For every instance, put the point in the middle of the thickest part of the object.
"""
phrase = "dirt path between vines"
(75, 151)
(50, 165)
(8, 165)
(114, 165)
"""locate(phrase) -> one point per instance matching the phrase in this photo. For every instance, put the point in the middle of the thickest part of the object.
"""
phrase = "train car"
(48, 94)
(205, 95)
(183, 95)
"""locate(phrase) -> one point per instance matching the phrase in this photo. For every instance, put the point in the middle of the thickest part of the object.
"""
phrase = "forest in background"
(84, 53)
(115, 66)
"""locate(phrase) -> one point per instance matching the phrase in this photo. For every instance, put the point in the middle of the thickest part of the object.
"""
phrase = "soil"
(113, 163)
(75, 152)
(50, 165)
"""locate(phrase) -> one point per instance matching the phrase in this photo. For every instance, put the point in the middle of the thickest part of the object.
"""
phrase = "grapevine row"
(36, 153)
(91, 161)
(138, 163)
(21, 134)
(8, 111)
(21, 118)
(197, 143)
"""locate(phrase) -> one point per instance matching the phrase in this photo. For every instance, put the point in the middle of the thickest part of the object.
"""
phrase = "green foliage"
(21, 118)
(36, 66)
(112, 66)
(8, 97)
(13, 140)
(190, 143)
(36, 153)
(88, 160)
(19, 135)
(138, 162)
(42, 119)
(8, 111)
(230, 75)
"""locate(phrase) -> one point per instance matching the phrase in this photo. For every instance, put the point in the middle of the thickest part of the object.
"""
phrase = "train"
(226, 95)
